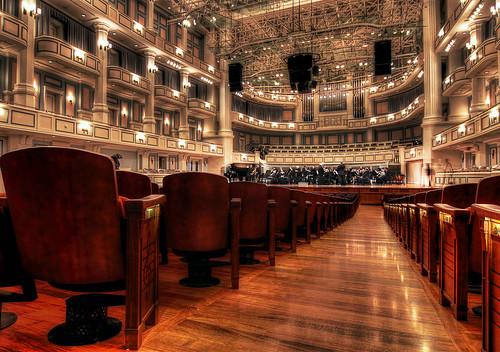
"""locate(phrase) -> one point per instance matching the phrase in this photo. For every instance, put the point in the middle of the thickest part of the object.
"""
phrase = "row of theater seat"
(70, 219)
(454, 234)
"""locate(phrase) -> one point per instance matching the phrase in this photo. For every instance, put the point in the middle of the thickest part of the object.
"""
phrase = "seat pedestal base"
(200, 274)
(246, 256)
(7, 319)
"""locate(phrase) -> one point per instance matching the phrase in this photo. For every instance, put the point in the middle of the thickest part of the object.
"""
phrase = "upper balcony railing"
(128, 80)
(455, 23)
(254, 123)
(53, 49)
(201, 108)
(456, 83)
(13, 31)
(170, 96)
(481, 58)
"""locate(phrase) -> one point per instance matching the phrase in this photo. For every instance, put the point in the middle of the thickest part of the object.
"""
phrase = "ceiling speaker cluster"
(301, 70)
(235, 77)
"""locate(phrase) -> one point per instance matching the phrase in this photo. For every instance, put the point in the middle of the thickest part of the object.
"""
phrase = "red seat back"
(300, 197)
(253, 223)
(282, 197)
(133, 185)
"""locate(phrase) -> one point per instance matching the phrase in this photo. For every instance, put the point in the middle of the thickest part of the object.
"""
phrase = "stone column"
(368, 104)
(24, 91)
(432, 82)
(100, 110)
(298, 110)
(478, 84)
(149, 118)
(209, 124)
(183, 124)
(150, 14)
(225, 125)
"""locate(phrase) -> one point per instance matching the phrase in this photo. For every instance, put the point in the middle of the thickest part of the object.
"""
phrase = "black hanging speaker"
(383, 57)
(300, 72)
(235, 77)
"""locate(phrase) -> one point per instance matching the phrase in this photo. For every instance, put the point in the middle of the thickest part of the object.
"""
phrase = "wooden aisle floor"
(354, 289)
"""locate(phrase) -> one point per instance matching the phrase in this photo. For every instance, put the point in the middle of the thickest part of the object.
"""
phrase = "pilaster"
(149, 118)
(100, 110)
(24, 91)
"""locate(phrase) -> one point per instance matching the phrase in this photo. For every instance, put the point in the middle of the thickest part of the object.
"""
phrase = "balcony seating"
(486, 214)
(258, 218)
(133, 185)
(415, 241)
(11, 273)
(68, 229)
(429, 232)
(201, 223)
(453, 225)
(303, 210)
(286, 214)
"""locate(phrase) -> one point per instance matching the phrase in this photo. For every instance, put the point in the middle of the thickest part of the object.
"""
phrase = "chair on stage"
(69, 226)
(303, 208)
(429, 233)
(453, 220)
(258, 218)
(486, 228)
(415, 241)
(201, 224)
(286, 214)
(11, 273)
(133, 185)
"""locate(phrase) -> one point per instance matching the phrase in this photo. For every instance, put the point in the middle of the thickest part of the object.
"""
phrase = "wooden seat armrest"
(486, 210)
(145, 202)
(271, 203)
(414, 206)
(426, 207)
(453, 211)
(293, 203)
(308, 204)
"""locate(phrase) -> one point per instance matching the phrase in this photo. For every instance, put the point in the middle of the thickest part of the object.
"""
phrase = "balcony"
(456, 84)
(12, 31)
(201, 108)
(118, 76)
(170, 96)
(61, 54)
(251, 123)
(483, 60)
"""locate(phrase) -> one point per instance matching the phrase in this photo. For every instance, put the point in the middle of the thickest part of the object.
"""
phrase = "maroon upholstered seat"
(11, 273)
(486, 211)
(454, 217)
(286, 214)
(197, 217)
(429, 233)
(303, 209)
(133, 185)
(257, 220)
(68, 227)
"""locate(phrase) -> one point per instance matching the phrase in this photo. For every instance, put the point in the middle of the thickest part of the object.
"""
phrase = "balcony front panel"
(170, 96)
(456, 84)
(54, 50)
(251, 123)
(13, 31)
(128, 80)
(364, 158)
(201, 108)
(483, 60)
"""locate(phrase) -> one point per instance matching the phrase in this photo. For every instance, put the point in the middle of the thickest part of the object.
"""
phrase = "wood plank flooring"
(354, 289)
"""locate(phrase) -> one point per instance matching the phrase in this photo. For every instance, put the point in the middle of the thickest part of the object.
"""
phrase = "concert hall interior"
(235, 175)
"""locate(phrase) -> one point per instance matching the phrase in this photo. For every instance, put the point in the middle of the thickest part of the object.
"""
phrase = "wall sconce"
(179, 52)
(153, 68)
(186, 23)
(447, 80)
(391, 116)
(70, 98)
(373, 120)
(140, 137)
(187, 85)
(261, 123)
(416, 101)
(3, 112)
(390, 85)
(84, 127)
(31, 9)
(175, 94)
(135, 79)
(138, 28)
(213, 148)
(274, 125)
(473, 56)
(291, 125)
(461, 130)
(104, 45)
(243, 157)
(240, 117)
(373, 89)
(207, 106)
(211, 69)
(412, 153)
(124, 112)
(250, 119)
(79, 55)
(167, 121)
(494, 116)
(199, 128)
(438, 139)
(487, 100)
(207, 80)
(182, 143)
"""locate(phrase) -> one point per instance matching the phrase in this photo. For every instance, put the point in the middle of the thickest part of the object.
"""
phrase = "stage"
(368, 194)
